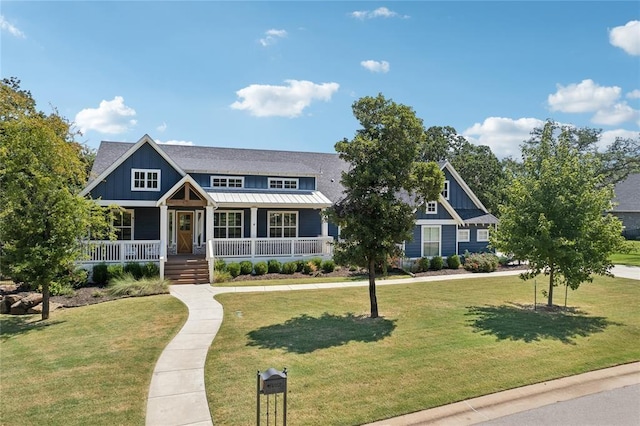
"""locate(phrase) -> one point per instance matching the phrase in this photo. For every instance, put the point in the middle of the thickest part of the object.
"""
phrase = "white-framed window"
(123, 224)
(281, 183)
(227, 224)
(227, 182)
(145, 179)
(482, 235)
(464, 235)
(282, 224)
(432, 207)
(445, 191)
(430, 241)
(171, 224)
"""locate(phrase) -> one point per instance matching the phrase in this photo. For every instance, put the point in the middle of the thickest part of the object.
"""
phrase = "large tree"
(42, 217)
(555, 213)
(385, 183)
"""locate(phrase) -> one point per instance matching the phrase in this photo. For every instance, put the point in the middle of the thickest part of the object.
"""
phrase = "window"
(432, 207)
(278, 183)
(227, 182)
(483, 235)
(145, 180)
(445, 191)
(283, 224)
(227, 224)
(123, 224)
(430, 241)
(464, 235)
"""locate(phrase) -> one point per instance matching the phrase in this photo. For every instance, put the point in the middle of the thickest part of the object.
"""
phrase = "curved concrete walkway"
(177, 393)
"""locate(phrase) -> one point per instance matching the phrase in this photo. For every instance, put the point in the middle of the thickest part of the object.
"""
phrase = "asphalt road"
(617, 407)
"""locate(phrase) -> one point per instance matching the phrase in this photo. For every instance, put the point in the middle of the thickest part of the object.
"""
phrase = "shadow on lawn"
(15, 325)
(305, 334)
(517, 322)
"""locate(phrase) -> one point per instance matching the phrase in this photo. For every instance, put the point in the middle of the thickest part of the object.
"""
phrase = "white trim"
(126, 203)
(431, 203)
(436, 222)
(119, 161)
(284, 181)
(468, 238)
(454, 214)
(422, 241)
(447, 188)
(174, 188)
(145, 180)
(198, 219)
(464, 186)
(227, 178)
(226, 212)
(295, 212)
(132, 213)
(483, 240)
(172, 238)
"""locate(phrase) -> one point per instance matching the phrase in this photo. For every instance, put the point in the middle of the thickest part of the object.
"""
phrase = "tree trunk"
(372, 288)
(45, 300)
(550, 298)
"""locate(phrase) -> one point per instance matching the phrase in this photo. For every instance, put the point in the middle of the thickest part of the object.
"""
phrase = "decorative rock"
(7, 301)
(18, 308)
(8, 288)
(32, 300)
(38, 308)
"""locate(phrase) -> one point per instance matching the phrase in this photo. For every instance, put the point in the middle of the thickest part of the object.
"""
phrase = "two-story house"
(200, 203)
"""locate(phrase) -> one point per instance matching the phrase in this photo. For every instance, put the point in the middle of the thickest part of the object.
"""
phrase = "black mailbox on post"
(273, 381)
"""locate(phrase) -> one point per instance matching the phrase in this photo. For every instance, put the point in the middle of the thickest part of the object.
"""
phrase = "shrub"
(150, 270)
(221, 276)
(234, 269)
(114, 271)
(133, 268)
(504, 260)
(260, 268)
(220, 265)
(416, 267)
(424, 264)
(453, 261)
(436, 263)
(246, 267)
(328, 266)
(480, 262)
(300, 265)
(310, 268)
(59, 288)
(289, 268)
(127, 285)
(99, 274)
(274, 266)
(317, 261)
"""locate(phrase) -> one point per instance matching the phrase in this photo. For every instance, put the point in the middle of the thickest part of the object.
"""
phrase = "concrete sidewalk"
(177, 393)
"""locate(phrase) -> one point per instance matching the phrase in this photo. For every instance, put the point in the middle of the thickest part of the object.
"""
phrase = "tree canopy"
(42, 218)
(555, 213)
(385, 183)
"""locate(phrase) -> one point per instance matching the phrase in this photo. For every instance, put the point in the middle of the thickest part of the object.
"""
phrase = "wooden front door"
(185, 232)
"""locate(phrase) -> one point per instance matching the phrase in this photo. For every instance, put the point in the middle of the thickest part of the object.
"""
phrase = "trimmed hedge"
(453, 261)
(260, 268)
(246, 267)
(234, 269)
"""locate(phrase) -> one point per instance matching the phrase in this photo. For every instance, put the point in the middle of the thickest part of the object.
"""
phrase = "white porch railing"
(275, 247)
(121, 251)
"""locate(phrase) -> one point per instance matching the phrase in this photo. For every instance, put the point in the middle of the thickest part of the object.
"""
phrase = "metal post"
(535, 295)
(258, 398)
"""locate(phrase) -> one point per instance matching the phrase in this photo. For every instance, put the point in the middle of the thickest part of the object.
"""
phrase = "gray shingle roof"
(627, 194)
(240, 161)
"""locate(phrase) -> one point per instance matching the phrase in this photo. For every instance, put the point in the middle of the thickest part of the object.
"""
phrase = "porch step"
(187, 271)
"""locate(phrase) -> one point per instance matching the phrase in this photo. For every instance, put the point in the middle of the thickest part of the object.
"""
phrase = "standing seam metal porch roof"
(312, 199)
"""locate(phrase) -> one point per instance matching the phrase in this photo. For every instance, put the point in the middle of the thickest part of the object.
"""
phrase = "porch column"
(209, 243)
(254, 230)
(209, 222)
(163, 238)
(325, 225)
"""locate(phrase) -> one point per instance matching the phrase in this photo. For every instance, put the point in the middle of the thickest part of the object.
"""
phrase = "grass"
(630, 259)
(127, 285)
(85, 366)
(436, 343)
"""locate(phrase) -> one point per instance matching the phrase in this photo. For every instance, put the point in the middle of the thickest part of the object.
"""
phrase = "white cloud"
(616, 114)
(627, 37)
(272, 36)
(263, 100)
(381, 12)
(634, 94)
(161, 128)
(110, 117)
(174, 142)
(376, 66)
(12, 29)
(503, 135)
(585, 96)
(608, 137)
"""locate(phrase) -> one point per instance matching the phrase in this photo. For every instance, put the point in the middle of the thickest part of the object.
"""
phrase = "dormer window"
(279, 183)
(145, 179)
(445, 191)
(227, 182)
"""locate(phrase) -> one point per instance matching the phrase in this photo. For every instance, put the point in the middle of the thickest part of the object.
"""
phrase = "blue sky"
(283, 75)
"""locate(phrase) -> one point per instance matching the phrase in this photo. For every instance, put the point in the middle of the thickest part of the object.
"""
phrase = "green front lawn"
(85, 366)
(630, 259)
(437, 343)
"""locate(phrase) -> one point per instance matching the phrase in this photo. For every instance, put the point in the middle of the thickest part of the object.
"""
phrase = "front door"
(185, 232)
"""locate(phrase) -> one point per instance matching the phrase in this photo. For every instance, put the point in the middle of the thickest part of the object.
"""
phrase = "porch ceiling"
(312, 199)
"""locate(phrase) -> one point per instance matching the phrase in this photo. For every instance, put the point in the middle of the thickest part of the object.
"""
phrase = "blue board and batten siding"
(458, 198)
(254, 181)
(309, 222)
(448, 239)
(117, 186)
(146, 225)
(474, 246)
